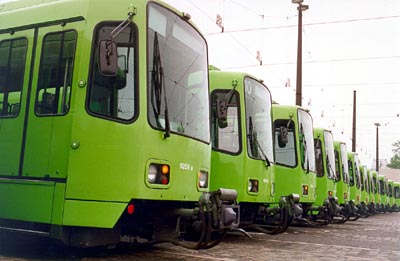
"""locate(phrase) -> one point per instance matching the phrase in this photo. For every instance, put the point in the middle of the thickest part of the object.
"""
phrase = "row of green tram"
(112, 124)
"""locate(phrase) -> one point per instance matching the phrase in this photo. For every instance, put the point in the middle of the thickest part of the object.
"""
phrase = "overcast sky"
(347, 45)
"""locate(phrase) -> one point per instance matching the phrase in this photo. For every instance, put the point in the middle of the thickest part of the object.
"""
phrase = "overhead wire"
(311, 24)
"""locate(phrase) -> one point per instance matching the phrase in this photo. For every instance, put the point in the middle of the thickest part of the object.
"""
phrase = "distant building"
(393, 174)
(382, 163)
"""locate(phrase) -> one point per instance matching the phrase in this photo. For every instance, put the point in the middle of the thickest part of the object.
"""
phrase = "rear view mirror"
(222, 113)
(283, 138)
(108, 58)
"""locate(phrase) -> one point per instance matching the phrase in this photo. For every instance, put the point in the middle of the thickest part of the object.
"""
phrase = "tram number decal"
(185, 166)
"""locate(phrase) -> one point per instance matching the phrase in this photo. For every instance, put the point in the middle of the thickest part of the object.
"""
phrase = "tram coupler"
(224, 209)
(335, 205)
(294, 206)
(354, 211)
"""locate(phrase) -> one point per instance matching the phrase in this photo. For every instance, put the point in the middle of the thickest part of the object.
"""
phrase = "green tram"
(376, 191)
(295, 158)
(242, 156)
(326, 174)
(104, 124)
(396, 195)
(382, 192)
(355, 184)
(372, 186)
(342, 179)
(364, 198)
(390, 195)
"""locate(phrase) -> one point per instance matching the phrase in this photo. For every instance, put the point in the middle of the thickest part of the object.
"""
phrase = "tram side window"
(225, 132)
(114, 96)
(55, 73)
(318, 158)
(284, 147)
(12, 68)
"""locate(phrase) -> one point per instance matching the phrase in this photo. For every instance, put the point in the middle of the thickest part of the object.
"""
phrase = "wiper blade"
(157, 86)
(331, 171)
(156, 80)
(252, 136)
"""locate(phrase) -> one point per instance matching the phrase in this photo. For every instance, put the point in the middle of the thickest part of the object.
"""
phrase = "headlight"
(253, 185)
(305, 189)
(203, 179)
(151, 176)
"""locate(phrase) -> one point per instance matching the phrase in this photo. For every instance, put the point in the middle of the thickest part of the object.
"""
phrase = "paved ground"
(374, 238)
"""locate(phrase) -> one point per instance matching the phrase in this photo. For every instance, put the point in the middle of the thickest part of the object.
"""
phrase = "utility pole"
(377, 146)
(353, 144)
(300, 8)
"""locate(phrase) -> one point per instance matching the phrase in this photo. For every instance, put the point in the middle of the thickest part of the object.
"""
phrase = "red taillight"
(164, 180)
(130, 209)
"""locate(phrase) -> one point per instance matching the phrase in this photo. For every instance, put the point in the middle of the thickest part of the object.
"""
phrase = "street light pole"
(377, 146)
(300, 8)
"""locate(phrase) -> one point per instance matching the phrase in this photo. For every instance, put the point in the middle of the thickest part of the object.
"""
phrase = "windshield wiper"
(332, 174)
(157, 86)
(305, 152)
(252, 136)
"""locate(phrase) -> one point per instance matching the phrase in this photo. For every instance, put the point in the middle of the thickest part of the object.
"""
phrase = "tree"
(395, 160)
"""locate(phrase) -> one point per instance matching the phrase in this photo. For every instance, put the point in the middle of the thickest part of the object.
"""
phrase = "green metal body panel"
(293, 178)
(77, 169)
(326, 186)
(355, 179)
(26, 200)
(342, 172)
(235, 169)
(364, 184)
(91, 213)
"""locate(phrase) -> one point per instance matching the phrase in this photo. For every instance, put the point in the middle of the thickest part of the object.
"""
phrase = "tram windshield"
(357, 171)
(397, 192)
(345, 165)
(177, 75)
(258, 120)
(307, 154)
(376, 185)
(382, 187)
(365, 184)
(330, 154)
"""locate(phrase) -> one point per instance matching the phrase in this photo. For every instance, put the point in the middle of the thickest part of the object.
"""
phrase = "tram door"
(49, 120)
(15, 61)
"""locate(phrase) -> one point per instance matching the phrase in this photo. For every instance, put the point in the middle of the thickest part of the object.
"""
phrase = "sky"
(348, 45)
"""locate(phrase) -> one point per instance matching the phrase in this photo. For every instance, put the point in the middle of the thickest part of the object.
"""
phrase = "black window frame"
(22, 80)
(214, 123)
(38, 89)
(293, 126)
(93, 66)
